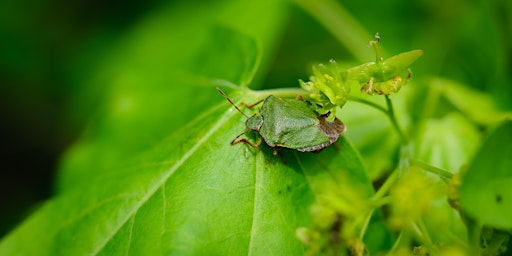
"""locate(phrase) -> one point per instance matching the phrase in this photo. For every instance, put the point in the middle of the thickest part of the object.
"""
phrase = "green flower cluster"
(338, 217)
(329, 86)
(384, 77)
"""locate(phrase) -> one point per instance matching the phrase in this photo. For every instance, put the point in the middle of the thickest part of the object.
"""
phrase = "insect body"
(291, 123)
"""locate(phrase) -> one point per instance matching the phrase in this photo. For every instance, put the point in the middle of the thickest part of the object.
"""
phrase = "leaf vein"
(257, 167)
(132, 221)
(227, 114)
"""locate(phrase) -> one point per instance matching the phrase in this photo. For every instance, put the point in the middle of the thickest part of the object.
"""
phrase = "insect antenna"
(230, 101)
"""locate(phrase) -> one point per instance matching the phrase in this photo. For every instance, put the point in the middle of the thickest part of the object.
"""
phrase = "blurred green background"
(63, 62)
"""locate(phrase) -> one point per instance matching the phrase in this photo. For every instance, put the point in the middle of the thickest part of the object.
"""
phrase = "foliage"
(423, 168)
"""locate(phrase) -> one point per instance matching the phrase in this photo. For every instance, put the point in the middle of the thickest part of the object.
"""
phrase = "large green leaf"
(161, 74)
(193, 194)
(486, 191)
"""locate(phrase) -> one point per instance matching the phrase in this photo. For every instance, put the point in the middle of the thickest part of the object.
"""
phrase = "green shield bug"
(290, 123)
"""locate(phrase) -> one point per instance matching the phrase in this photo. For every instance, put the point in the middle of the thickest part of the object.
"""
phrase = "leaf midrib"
(257, 167)
(166, 175)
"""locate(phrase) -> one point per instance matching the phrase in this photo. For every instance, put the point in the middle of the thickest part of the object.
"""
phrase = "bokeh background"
(55, 83)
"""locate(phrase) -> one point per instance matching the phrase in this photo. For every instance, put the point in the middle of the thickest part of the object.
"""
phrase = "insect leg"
(252, 105)
(299, 96)
(237, 140)
(230, 101)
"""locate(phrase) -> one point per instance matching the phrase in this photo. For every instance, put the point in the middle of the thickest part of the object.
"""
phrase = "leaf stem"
(379, 200)
(281, 92)
(432, 169)
(367, 102)
(475, 229)
(386, 186)
(392, 117)
(375, 44)
(366, 223)
(389, 112)
(423, 234)
(397, 243)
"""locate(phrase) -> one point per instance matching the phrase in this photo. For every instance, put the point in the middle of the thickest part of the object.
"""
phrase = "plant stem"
(282, 92)
(425, 232)
(378, 198)
(386, 186)
(432, 169)
(375, 44)
(396, 244)
(366, 223)
(475, 229)
(367, 102)
(391, 114)
(377, 203)
(422, 233)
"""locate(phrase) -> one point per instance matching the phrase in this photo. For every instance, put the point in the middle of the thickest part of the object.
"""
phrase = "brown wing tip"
(332, 129)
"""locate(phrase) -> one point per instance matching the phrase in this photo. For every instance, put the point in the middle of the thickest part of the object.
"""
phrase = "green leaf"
(478, 106)
(336, 168)
(447, 143)
(193, 194)
(161, 76)
(341, 187)
(229, 56)
(486, 191)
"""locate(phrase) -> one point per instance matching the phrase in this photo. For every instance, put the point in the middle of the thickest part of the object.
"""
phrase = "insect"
(289, 123)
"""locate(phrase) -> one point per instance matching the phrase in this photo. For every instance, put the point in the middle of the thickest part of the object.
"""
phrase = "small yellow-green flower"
(327, 88)
(411, 197)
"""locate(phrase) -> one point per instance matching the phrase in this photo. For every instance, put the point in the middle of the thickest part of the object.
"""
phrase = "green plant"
(122, 189)
(341, 216)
